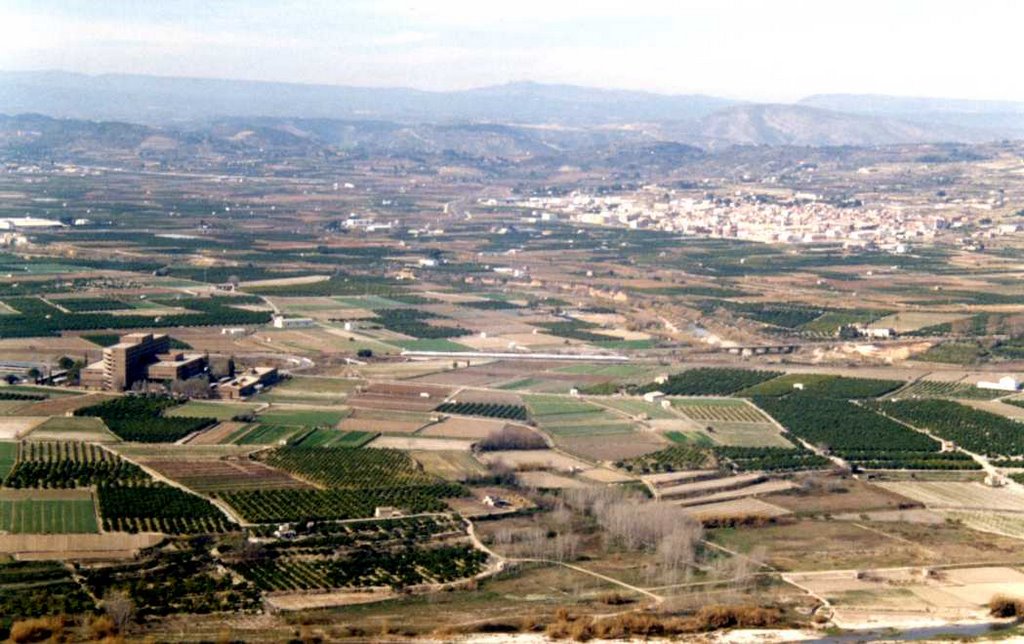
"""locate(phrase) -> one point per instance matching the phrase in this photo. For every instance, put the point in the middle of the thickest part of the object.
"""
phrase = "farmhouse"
(653, 396)
(1006, 383)
(876, 332)
(281, 322)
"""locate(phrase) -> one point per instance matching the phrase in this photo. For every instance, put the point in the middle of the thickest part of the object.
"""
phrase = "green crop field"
(322, 437)
(637, 407)
(267, 434)
(302, 417)
(822, 386)
(431, 344)
(557, 405)
(199, 409)
(8, 455)
(48, 516)
(612, 371)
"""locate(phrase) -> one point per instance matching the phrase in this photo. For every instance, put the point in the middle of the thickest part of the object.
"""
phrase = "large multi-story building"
(140, 356)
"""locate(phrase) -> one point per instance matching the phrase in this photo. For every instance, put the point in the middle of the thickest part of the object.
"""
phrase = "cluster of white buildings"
(804, 218)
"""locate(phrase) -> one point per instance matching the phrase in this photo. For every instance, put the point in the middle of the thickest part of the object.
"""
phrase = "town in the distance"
(459, 377)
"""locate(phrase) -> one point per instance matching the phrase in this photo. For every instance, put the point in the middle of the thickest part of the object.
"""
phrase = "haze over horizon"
(741, 49)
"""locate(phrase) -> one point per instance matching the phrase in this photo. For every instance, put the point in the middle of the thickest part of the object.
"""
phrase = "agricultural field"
(323, 437)
(406, 567)
(637, 408)
(565, 417)
(301, 417)
(275, 506)
(73, 428)
(487, 410)
(943, 389)
(709, 381)
(54, 465)
(228, 474)
(217, 410)
(973, 429)
(822, 386)
(141, 419)
(8, 457)
(861, 436)
(47, 513)
(670, 459)
(942, 495)
(158, 508)
(771, 459)
(451, 465)
(310, 390)
(265, 434)
(346, 467)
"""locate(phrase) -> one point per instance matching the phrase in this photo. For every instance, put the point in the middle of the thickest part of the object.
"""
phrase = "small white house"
(653, 396)
(1006, 383)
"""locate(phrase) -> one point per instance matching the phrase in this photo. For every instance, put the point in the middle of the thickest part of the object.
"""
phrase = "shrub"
(38, 629)
(1006, 606)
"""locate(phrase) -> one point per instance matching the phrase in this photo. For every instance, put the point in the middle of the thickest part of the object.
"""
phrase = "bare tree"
(120, 607)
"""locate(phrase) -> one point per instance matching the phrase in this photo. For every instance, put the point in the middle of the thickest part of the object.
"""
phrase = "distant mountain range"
(585, 116)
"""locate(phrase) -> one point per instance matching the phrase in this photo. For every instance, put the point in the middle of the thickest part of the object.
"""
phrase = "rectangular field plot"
(636, 408)
(732, 422)
(323, 437)
(611, 371)
(564, 416)
(940, 389)
(47, 516)
(943, 495)
(451, 465)
(305, 389)
(220, 411)
(385, 422)
(823, 386)
(73, 428)
(227, 475)
(8, 455)
(727, 409)
(302, 417)
(264, 434)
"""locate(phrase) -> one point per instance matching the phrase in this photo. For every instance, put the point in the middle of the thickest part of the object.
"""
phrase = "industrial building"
(281, 322)
(247, 383)
(138, 357)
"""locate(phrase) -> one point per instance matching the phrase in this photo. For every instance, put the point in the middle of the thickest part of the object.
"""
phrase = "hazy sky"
(764, 50)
